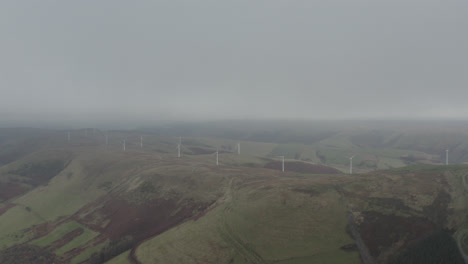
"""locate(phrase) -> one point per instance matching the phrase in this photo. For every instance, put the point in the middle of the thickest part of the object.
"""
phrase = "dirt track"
(363, 250)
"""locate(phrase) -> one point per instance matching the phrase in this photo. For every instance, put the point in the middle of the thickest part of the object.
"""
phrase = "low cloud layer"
(233, 59)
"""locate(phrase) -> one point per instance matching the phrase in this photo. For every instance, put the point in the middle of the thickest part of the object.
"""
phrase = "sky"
(263, 59)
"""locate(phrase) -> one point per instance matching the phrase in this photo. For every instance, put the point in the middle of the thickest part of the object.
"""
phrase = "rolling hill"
(85, 202)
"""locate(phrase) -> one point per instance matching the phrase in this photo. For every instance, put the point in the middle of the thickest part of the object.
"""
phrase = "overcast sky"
(234, 59)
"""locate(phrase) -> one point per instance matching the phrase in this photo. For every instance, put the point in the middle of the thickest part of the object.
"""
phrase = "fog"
(200, 60)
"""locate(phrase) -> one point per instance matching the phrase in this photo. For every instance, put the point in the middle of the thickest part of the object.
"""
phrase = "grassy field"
(120, 259)
(60, 231)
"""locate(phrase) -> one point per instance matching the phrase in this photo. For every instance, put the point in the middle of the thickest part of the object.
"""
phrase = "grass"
(120, 259)
(264, 217)
(80, 240)
(13, 224)
(266, 225)
(87, 253)
(56, 234)
(62, 230)
(295, 224)
(191, 242)
(64, 194)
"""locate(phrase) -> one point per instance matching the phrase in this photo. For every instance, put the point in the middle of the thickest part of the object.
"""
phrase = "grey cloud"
(234, 59)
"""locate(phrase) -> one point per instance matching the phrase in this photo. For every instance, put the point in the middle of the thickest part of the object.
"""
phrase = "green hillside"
(83, 201)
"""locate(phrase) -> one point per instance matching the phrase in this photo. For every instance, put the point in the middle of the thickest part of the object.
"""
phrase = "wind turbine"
(238, 148)
(178, 147)
(282, 167)
(123, 144)
(446, 156)
(351, 164)
(141, 142)
(216, 156)
(107, 140)
(68, 136)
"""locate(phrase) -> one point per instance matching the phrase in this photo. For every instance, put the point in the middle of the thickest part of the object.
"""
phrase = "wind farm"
(233, 132)
(207, 182)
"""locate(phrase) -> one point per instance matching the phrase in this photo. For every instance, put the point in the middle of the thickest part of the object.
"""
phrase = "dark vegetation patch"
(310, 191)
(26, 254)
(10, 155)
(113, 249)
(463, 241)
(17, 143)
(368, 164)
(389, 204)
(302, 167)
(252, 165)
(129, 224)
(380, 231)
(42, 229)
(66, 238)
(142, 220)
(438, 211)
(147, 187)
(349, 247)
(410, 159)
(322, 157)
(41, 172)
(200, 151)
(438, 248)
(10, 190)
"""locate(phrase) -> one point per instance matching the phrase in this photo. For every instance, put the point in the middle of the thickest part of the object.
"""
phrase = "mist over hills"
(85, 201)
(233, 132)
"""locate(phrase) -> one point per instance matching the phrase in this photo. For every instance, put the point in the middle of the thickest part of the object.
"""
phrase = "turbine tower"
(238, 148)
(217, 156)
(446, 156)
(351, 164)
(282, 165)
(178, 147)
(141, 142)
(124, 144)
(107, 140)
(68, 136)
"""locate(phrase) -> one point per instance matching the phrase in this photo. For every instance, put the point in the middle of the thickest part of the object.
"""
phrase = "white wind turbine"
(351, 164)
(238, 148)
(446, 156)
(282, 167)
(178, 147)
(141, 142)
(217, 152)
(123, 144)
